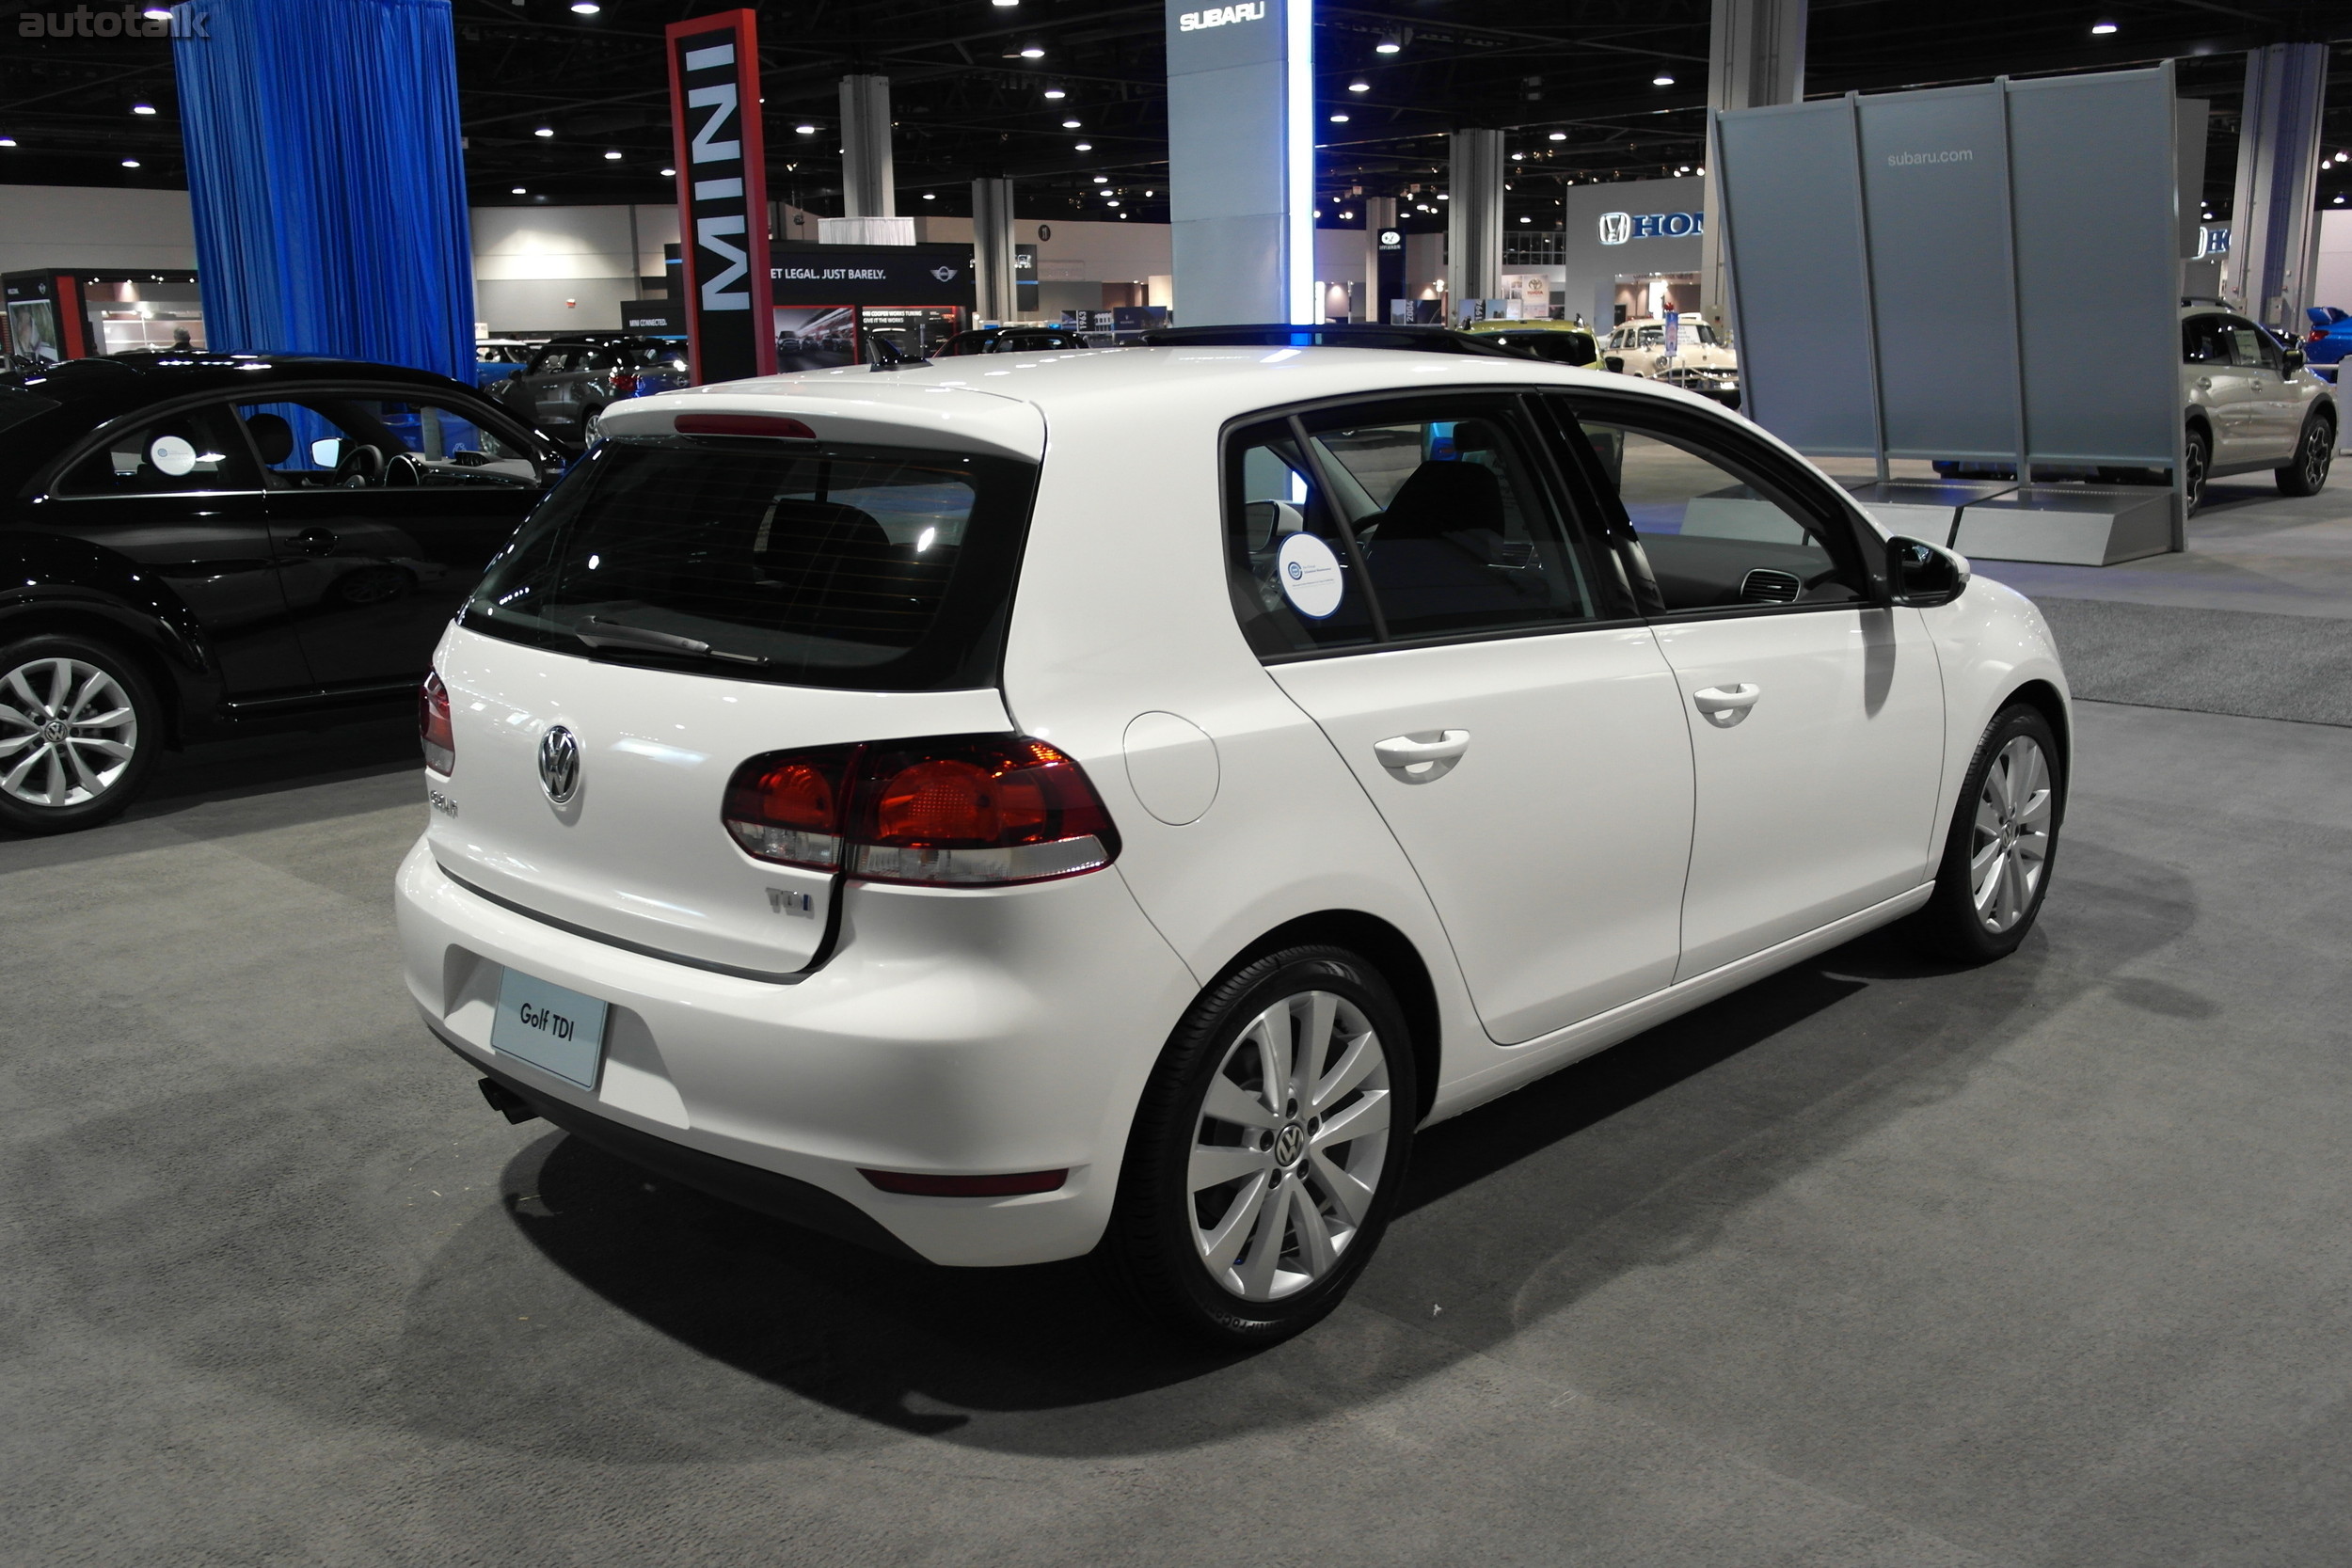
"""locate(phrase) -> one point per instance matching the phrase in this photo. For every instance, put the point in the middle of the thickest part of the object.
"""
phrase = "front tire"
(2002, 846)
(79, 729)
(2198, 464)
(2306, 475)
(1268, 1151)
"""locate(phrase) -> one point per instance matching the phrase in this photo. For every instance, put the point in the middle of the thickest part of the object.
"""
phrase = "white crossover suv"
(1104, 801)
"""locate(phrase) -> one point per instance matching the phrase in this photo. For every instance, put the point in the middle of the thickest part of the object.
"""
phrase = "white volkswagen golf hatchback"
(1106, 801)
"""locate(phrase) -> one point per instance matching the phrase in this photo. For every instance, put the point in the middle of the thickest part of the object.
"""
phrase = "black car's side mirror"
(1923, 574)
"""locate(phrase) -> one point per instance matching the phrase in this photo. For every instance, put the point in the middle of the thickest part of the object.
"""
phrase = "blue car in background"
(496, 358)
(2329, 339)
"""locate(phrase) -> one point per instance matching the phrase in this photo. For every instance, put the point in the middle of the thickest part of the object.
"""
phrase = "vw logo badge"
(1615, 227)
(1290, 1143)
(559, 764)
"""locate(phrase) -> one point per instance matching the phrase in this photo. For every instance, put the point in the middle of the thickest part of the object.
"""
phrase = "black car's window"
(1717, 531)
(1443, 509)
(365, 442)
(868, 568)
(196, 449)
(16, 407)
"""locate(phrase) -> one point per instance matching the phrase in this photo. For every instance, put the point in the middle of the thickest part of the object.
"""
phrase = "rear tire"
(2003, 843)
(2198, 464)
(2306, 475)
(79, 729)
(1259, 1175)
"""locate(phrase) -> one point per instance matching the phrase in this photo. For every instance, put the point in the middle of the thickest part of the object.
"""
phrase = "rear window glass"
(869, 568)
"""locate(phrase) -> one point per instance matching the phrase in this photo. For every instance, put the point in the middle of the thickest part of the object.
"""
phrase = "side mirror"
(2295, 360)
(1923, 574)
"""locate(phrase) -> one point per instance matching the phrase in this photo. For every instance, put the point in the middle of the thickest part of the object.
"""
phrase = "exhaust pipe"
(506, 1102)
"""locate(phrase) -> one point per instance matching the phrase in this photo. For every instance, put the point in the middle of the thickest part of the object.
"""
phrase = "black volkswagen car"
(193, 544)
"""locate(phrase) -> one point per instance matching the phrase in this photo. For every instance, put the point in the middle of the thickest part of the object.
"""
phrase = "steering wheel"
(403, 470)
(361, 466)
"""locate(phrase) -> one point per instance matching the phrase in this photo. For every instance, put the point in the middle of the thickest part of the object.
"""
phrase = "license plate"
(551, 1027)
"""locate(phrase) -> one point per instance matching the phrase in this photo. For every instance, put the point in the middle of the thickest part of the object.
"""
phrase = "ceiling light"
(130, 162)
(543, 130)
(142, 108)
(1113, 201)
(1318, 212)
(1338, 119)
(1360, 85)
(1559, 135)
(610, 156)
(1070, 125)
(518, 191)
(2102, 27)
(1151, 192)
(929, 197)
(1101, 178)
(1033, 53)
(1347, 215)
(8, 141)
(1444, 196)
(1527, 220)
(1389, 44)
(1661, 80)
(669, 174)
(585, 7)
(1008, 4)
(1516, 156)
(805, 129)
(1056, 92)
(1085, 146)
(157, 13)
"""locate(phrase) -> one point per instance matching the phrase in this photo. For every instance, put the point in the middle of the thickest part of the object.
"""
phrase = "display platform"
(2068, 525)
(1923, 508)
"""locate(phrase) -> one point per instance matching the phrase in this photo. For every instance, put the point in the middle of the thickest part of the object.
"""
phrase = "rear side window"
(193, 451)
(868, 568)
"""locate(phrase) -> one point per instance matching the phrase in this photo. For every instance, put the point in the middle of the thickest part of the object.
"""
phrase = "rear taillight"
(625, 383)
(433, 725)
(959, 811)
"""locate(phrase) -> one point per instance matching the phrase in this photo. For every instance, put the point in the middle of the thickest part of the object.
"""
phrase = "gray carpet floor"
(1875, 1264)
(2257, 665)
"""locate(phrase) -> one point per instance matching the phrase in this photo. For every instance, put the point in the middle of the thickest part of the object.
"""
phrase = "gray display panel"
(2097, 272)
(1798, 285)
(1935, 177)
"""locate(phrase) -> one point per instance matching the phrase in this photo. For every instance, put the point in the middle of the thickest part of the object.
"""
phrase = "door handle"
(1726, 707)
(314, 541)
(2205, 383)
(1419, 758)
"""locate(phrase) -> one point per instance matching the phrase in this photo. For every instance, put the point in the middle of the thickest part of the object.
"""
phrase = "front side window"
(2252, 348)
(1437, 524)
(2205, 340)
(195, 450)
(868, 568)
(328, 439)
(1717, 532)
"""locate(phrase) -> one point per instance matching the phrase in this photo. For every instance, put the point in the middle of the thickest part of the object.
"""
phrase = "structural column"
(326, 181)
(1241, 161)
(1474, 221)
(2273, 233)
(993, 273)
(1384, 259)
(868, 188)
(1755, 58)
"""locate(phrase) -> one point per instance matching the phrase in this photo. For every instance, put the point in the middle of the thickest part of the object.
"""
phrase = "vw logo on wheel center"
(559, 764)
(1289, 1144)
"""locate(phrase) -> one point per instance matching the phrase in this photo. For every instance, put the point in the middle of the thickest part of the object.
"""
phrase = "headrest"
(273, 437)
(1443, 498)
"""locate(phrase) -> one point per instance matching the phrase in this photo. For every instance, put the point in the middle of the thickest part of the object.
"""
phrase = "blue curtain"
(328, 184)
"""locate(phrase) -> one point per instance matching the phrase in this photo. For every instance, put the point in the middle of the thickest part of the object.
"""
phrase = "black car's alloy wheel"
(79, 726)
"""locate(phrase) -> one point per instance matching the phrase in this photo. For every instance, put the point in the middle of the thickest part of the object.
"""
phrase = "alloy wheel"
(2193, 479)
(2013, 836)
(2319, 451)
(1289, 1149)
(68, 731)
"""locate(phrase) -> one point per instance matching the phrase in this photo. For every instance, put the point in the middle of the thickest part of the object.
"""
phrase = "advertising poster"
(916, 331)
(721, 192)
(815, 337)
(33, 327)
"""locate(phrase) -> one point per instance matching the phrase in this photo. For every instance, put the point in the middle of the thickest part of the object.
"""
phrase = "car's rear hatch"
(685, 602)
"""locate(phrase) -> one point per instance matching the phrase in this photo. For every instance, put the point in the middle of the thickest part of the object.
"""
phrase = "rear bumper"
(952, 1033)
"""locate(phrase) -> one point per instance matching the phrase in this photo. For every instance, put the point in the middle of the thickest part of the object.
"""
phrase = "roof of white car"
(1001, 401)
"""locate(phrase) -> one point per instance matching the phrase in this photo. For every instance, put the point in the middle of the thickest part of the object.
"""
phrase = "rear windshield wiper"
(599, 633)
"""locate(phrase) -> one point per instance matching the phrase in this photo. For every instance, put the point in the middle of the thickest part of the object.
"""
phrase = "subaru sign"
(1617, 227)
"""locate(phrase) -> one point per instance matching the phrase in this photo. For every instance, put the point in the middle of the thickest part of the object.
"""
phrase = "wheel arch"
(1400, 963)
(138, 638)
(2045, 699)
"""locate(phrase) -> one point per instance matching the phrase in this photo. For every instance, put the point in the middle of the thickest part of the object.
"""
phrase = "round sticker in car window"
(1309, 575)
(171, 454)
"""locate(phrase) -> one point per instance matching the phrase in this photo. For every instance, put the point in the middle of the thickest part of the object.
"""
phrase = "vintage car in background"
(1696, 363)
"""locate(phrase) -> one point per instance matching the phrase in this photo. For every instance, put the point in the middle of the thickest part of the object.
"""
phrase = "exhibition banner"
(722, 194)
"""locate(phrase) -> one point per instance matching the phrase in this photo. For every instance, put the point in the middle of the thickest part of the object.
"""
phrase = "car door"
(178, 494)
(2225, 389)
(386, 506)
(1814, 708)
(1409, 578)
(2275, 414)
